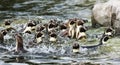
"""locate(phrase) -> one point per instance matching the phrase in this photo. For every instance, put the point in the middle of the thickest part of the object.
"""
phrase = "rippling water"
(50, 54)
(49, 9)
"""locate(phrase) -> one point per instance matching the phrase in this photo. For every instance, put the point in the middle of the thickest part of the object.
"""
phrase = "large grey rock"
(107, 14)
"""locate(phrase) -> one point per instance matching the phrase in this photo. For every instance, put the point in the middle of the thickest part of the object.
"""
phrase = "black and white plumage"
(76, 46)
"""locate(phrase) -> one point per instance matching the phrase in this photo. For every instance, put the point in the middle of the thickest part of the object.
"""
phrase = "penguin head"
(63, 26)
(75, 48)
(82, 29)
(7, 22)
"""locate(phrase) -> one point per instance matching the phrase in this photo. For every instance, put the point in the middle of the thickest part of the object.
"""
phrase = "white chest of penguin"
(52, 39)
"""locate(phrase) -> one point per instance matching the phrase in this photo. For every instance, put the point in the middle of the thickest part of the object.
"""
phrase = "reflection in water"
(19, 59)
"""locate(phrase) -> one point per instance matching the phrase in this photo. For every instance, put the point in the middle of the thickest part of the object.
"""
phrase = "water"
(50, 9)
(23, 10)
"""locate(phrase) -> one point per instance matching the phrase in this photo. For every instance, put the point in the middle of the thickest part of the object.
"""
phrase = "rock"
(107, 14)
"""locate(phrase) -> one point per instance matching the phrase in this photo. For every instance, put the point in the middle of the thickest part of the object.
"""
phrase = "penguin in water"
(63, 30)
(19, 44)
(53, 37)
(40, 28)
(79, 24)
(2, 44)
(76, 46)
(52, 25)
(71, 25)
(30, 27)
(2, 34)
(109, 31)
(81, 34)
(39, 37)
(7, 24)
(19, 47)
(63, 27)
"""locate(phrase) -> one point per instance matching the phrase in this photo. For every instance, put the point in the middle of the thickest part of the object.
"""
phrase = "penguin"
(76, 47)
(71, 25)
(109, 31)
(81, 33)
(63, 30)
(19, 44)
(53, 37)
(40, 28)
(30, 27)
(7, 24)
(79, 25)
(39, 37)
(52, 25)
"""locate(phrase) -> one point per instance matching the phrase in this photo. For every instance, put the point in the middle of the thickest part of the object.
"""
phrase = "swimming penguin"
(19, 44)
(109, 31)
(71, 25)
(30, 27)
(52, 25)
(79, 24)
(55, 22)
(76, 46)
(81, 34)
(63, 27)
(103, 40)
(53, 37)
(33, 24)
(63, 30)
(7, 23)
(2, 34)
(40, 28)
(39, 37)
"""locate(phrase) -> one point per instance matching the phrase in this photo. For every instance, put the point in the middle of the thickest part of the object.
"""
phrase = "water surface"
(24, 10)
